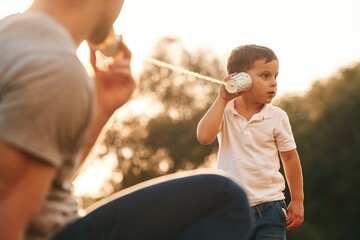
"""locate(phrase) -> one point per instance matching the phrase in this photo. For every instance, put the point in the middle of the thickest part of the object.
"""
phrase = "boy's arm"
(114, 87)
(293, 173)
(209, 125)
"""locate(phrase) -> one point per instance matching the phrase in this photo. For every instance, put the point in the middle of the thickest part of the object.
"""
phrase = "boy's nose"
(273, 83)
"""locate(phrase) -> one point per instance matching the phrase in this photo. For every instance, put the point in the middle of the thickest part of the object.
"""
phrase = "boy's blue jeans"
(270, 221)
(198, 206)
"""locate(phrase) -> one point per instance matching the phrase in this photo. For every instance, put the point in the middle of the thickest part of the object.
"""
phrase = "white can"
(239, 83)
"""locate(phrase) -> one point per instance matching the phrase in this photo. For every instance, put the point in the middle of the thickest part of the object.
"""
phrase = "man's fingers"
(126, 53)
(93, 59)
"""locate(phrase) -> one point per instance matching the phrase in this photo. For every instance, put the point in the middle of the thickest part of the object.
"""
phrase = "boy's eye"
(265, 76)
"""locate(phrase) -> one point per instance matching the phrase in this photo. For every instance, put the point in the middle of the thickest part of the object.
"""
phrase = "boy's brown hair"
(243, 57)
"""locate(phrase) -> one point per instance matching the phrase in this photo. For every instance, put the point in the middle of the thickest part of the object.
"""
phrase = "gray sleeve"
(45, 106)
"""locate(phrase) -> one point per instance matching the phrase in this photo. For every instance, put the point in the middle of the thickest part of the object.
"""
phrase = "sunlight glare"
(91, 181)
(13, 6)
(145, 107)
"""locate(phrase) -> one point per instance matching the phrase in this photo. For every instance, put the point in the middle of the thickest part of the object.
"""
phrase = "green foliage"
(178, 137)
(326, 125)
(306, 231)
(158, 142)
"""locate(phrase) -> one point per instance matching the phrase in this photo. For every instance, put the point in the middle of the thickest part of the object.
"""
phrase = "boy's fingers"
(228, 77)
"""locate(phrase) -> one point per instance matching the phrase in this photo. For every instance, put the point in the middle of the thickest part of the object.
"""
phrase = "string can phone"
(110, 46)
(239, 83)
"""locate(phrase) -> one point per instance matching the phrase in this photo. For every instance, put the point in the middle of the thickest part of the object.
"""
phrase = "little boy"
(252, 134)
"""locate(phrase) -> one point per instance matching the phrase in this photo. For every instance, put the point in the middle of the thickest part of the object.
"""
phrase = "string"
(158, 63)
(182, 70)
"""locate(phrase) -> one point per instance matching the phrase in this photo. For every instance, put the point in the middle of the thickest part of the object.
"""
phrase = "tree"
(326, 124)
(162, 139)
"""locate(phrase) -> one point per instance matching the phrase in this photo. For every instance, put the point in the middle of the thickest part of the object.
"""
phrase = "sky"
(313, 39)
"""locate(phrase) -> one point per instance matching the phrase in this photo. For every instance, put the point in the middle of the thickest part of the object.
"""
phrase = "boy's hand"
(225, 94)
(295, 215)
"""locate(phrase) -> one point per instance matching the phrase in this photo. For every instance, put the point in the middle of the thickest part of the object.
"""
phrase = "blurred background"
(319, 87)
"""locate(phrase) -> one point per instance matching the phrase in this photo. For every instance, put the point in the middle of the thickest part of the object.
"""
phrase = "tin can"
(239, 83)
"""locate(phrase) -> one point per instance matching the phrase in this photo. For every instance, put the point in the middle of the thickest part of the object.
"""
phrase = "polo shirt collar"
(264, 113)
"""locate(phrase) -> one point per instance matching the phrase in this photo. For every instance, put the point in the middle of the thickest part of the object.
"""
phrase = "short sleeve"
(45, 105)
(283, 133)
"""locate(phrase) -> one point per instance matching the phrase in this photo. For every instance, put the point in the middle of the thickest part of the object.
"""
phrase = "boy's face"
(264, 85)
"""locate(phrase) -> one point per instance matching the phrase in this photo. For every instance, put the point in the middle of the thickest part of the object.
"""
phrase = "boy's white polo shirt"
(249, 150)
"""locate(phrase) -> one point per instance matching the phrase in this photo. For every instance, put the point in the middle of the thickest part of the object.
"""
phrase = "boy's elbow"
(205, 135)
(204, 139)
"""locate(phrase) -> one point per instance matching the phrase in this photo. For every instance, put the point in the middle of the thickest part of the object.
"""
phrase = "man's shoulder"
(34, 32)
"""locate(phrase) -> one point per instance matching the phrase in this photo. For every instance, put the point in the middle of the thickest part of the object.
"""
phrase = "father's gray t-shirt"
(45, 106)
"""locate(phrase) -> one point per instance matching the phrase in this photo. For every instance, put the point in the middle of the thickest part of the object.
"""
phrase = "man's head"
(89, 20)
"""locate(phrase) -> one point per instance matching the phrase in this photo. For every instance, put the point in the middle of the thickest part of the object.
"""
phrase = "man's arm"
(294, 177)
(24, 184)
(114, 88)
